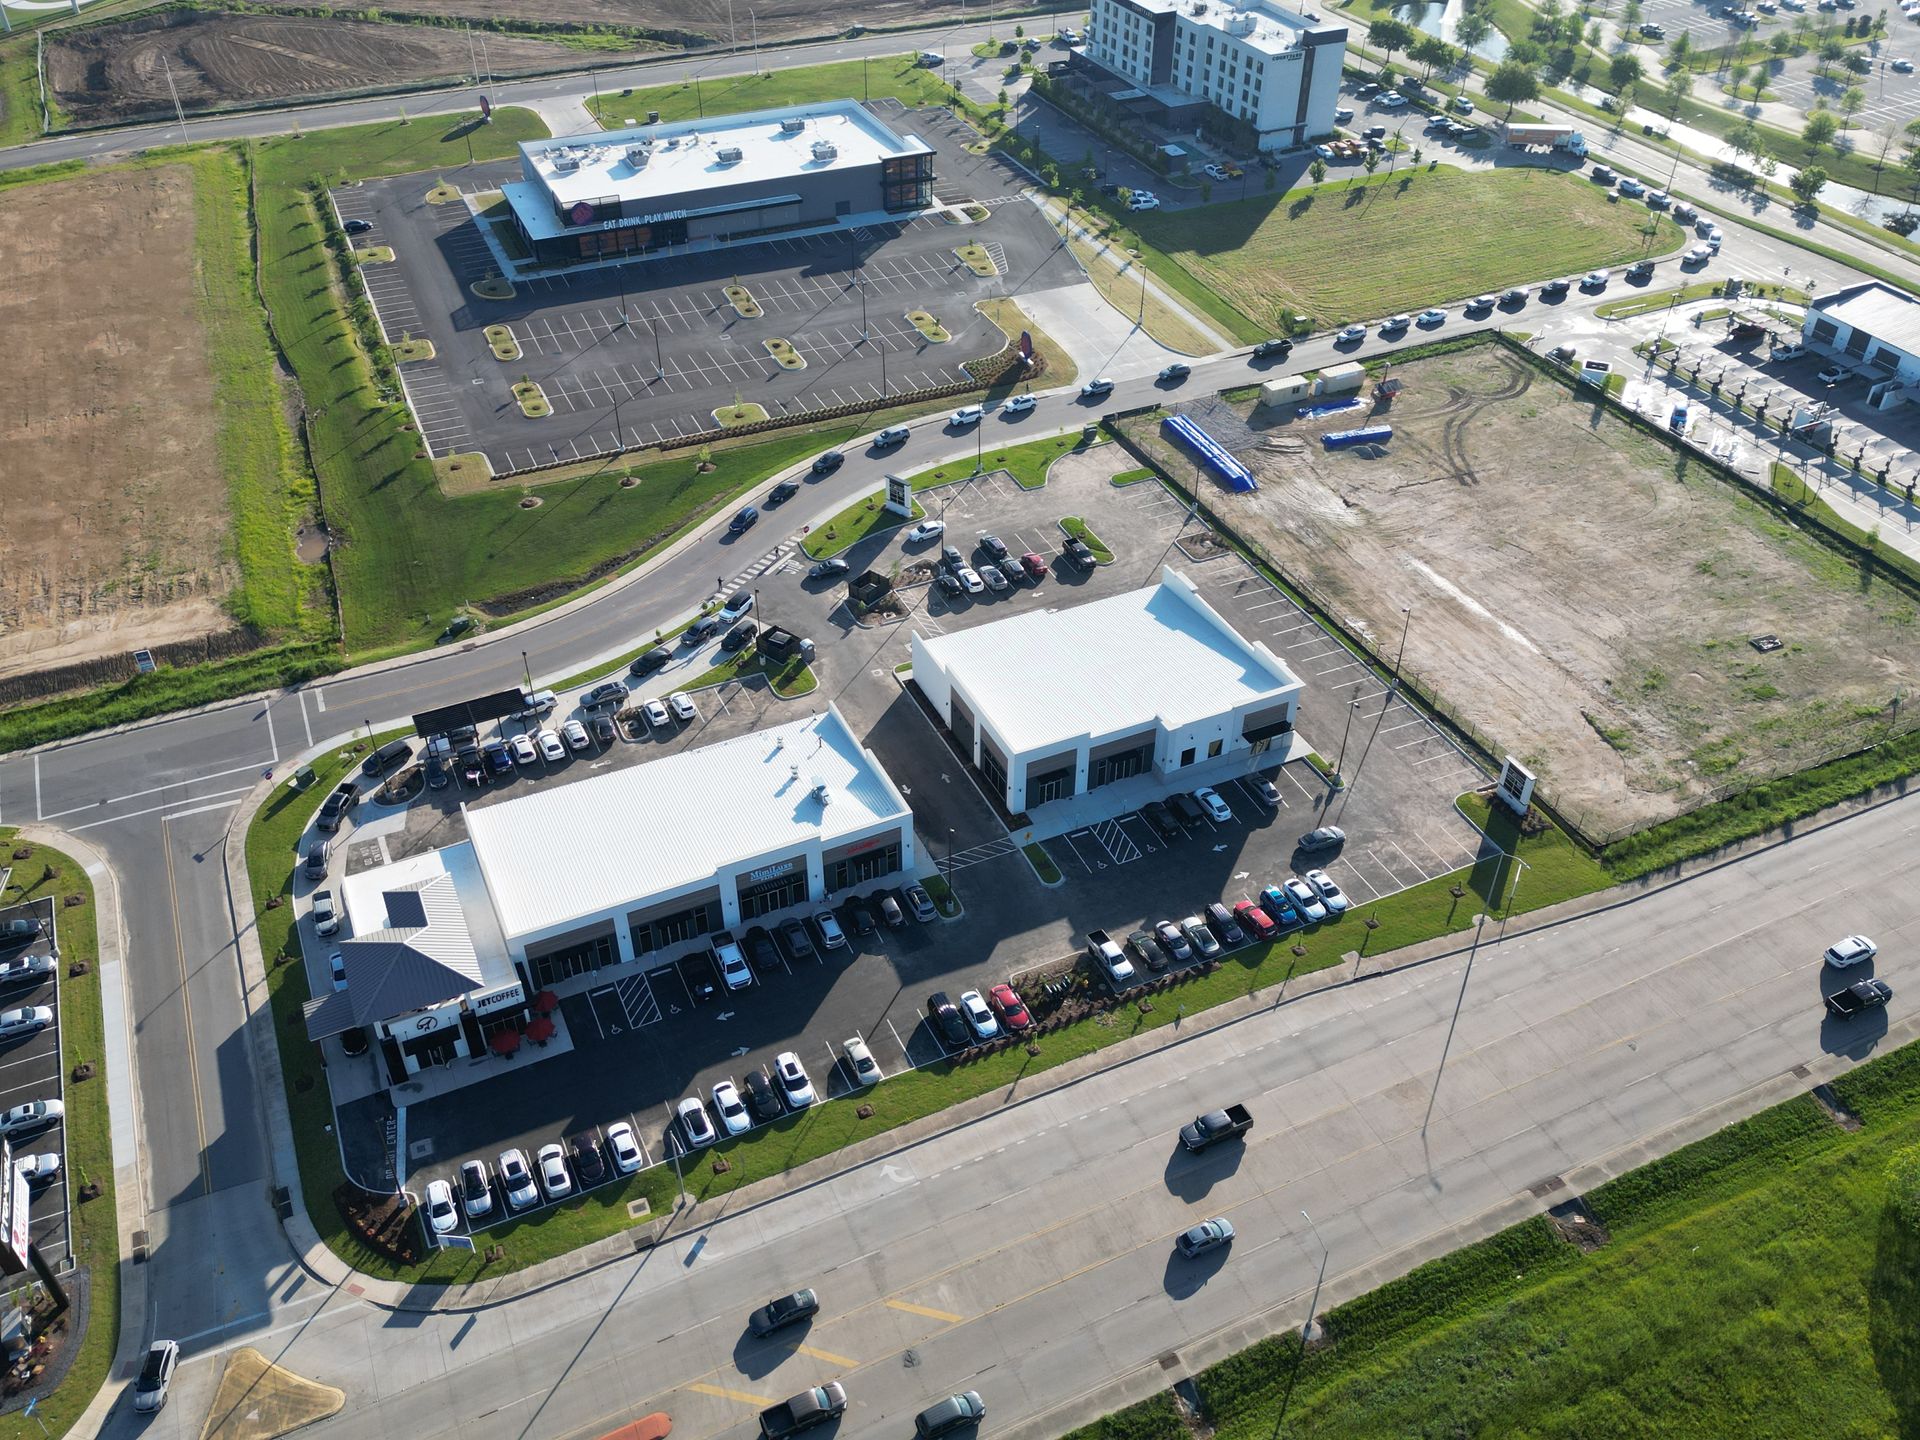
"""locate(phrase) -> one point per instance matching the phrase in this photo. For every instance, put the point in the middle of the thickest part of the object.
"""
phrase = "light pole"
(1479, 924)
(946, 863)
(1406, 624)
(1306, 1330)
(527, 670)
(1345, 730)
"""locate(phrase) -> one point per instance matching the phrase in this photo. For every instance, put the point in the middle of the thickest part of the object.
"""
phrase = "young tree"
(1736, 77)
(1679, 50)
(1389, 36)
(1372, 161)
(1854, 63)
(1744, 139)
(1318, 170)
(1780, 44)
(1630, 15)
(1820, 128)
(1851, 101)
(1471, 29)
(1679, 86)
(1512, 84)
(1593, 36)
(1831, 52)
(1889, 137)
(1808, 183)
(1624, 72)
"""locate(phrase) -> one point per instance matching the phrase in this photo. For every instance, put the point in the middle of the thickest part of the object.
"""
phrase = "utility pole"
(753, 34)
(733, 35)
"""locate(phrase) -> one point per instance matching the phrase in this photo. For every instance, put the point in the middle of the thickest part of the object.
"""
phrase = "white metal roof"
(1257, 24)
(1887, 314)
(1160, 655)
(684, 157)
(576, 851)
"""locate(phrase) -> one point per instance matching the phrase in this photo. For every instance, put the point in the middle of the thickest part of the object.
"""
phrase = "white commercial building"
(1876, 328)
(1056, 703)
(646, 858)
(1276, 69)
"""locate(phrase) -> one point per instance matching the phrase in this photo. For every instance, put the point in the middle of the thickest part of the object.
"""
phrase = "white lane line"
(273, 744)
(154, 809)
(155, 790)
(202, 809)
(306, 720)
(39, 810)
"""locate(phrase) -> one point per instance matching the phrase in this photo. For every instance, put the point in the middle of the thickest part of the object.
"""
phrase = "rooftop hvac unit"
(638, 155)
(825, 150)
(820, 792)
(1241, 23)
(729, 155)
(793, 127)
(565, 161)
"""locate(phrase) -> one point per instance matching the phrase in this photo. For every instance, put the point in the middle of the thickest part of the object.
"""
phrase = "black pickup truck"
(804, 1411)
(1860, 996)
(1216, 1126)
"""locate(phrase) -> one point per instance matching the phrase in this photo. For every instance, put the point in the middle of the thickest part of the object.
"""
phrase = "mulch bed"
(383, 1222)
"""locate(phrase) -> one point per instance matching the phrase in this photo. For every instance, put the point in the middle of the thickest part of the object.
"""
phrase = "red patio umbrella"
(505, 1042)
(541, 1030)
(546, 1002)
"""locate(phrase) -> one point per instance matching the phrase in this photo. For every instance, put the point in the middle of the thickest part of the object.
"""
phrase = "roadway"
(1027, 1255)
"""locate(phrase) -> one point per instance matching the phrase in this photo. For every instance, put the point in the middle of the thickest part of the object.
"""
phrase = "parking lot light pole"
(1345, 730)
(1306, 1330)
(946, 864)
(1405, 624)
(527, 669)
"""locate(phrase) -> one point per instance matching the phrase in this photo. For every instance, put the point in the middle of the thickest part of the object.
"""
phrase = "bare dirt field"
(706, 19)
(115, 506)
(105, 73)
(1580, 593)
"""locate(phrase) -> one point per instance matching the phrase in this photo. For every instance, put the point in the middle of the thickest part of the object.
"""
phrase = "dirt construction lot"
(115, 507)
(1580, 593)
(776, 19)
(107, 73)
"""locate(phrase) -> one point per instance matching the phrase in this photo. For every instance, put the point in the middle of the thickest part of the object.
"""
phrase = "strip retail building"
(701, 184)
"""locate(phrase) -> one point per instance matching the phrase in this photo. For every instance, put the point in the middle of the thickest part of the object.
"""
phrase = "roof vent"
(729, 155)
(793, 127)
(821, 793)
(825, 150)
(794, 770)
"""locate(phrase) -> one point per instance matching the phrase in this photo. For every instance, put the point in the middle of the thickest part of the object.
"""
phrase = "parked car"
(696, 1129)
(37, 1170)
(1207, 1235)
(624, 1147)
(1268, 792)
(517, 1180)
(1351, 335)
(588, 1163)
(979, 1017)
(1203, 939)
(1162, 821)
(442, 1217)
(1327, 837)
(575, 734)
(1330, 894)
(921, 904)
(826, 925)
(608, 692)
(1594, 280)
(318, 853)
(326, 914)
(28, 1020)
(1035, 566)
(738, 604)
(1832, 375)
(476, 1189)
(1554, 289)
(1172, 939)
(794, 939)
(1853, 950)
(1860, 996)
(163, 1356)
(1787, 352)
(1018, 404)
(1255, 921)
(1010, 1009)
(390, 756)
(1305, 899)
(1275, 349)
(1096, 387)
(828, 463)
(357, 227)
(603, 731)
(796, 1088)
(966, 415)
(730, 1108)
(890, 911)
(926, 530)
(828, 569)
(1220, 920)
(1278, 904)
(783, 492)
(523, 749)
(761, 1099)
(776, 1315)
(554, 1179)
(552, 748)
(1211, 802)
(656, 713)
(1174, 373)
(683, 708)
(1394, 324)
(30, 1118)
(739, 637)
(1430, 318)
(946, 1022)
(860, 1062)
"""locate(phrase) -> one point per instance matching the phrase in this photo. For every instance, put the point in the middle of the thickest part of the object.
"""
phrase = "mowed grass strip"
(1418, 238)
(893, 76)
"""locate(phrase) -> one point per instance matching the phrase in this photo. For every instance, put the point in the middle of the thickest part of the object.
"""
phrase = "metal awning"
(1267, 732)
(330, 1015)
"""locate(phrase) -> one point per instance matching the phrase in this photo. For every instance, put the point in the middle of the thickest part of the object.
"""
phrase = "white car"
(524, 752)
(832, 937)
(970, 580)
(1431, 317)
(156, 1374)
(1018, 404)
(1830, 376)
(575, 734)
(624, 1147)
(1787, 352)
(791, 1076)
(1594, 280)
(1096, 387)
(866, 1071)
(1696, 255)
(979, 1018)
(1842, 953)
(441, 1215)
(554, 1178)
(1211, 802)
(1305, 898)
(695, 1127)
(38, 1170)
(551, 746)
(926, 530)
(1144, 202)
(27, 970)
(966, 415)
(476, 1190)
(1394, 324)
(28, 1020)
(1331, 894)
(326, 914)
(1481, 302)
(337, 968)
(732, 1111)
(684, 710)
(1350, 335)
(1392, 100)
(1204, 940)
(517, 1180)
(736, 607)
(656, 714)
(32, 1117)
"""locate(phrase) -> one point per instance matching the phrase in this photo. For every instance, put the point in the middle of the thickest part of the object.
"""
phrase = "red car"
(1007, 1006)
(1258, 923)
(1035, 566)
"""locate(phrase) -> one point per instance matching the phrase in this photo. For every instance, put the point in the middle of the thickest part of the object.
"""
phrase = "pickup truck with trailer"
(1563, 138)
(809, 1408)
(1216, 1126)
(1104, 952)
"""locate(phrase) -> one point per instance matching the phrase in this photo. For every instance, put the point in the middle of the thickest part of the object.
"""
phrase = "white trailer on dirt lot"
(1285, 390)
(1345, 379)
(1564, 138)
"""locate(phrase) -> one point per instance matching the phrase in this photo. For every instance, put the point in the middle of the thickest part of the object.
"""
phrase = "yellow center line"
(926, 1310)
(826, 1355)
(724, 1393)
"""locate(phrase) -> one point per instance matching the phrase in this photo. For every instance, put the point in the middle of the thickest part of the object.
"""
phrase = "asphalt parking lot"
(30, 1069)
(645, 352)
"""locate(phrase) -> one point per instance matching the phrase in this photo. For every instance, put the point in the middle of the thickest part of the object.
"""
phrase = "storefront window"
(867, 865)
(774, 894)
(557, 965)
(657, 932)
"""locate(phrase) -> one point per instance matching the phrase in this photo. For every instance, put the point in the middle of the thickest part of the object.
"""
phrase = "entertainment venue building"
(1152, 684)
(701, 184)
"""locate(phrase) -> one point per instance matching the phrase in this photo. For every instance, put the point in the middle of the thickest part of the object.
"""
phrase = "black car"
(744, 520)
(437, 772)
(602, 728)
(787, 1310)
(609, 692)
(499, 759)
(950, 582)
(463, 735)
(1640, 270)
(1860, 996)
(1162, 821)
(946, 1021)
(358, 227)
(761, 1099)
(388, 757)
(345, 796)
(588, 1163)
(794, 940)
(784, 491)
(760, 947)
(1554, 288)
(856, 919)
(1185, 808)
(828, 569)
(649, 661)
(828, 463)
(995, 548)
(1275, 349)
(740, 636)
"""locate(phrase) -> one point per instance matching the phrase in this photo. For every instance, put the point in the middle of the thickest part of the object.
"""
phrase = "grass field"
(1418, 238)
(96, 1233)
(894, 76)
(1756, 1283)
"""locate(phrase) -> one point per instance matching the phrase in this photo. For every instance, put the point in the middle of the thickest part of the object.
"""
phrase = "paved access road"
(1028, 1255)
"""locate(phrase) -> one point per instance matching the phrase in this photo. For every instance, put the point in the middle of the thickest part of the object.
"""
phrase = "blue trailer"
(1365, 435)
